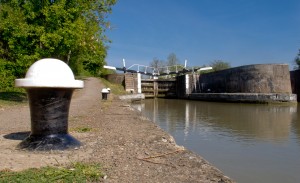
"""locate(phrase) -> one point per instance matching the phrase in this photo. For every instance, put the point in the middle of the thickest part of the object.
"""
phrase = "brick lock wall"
(261, 78)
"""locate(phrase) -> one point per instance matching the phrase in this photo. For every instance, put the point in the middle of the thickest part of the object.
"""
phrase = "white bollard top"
(49, 73)
(104, 90)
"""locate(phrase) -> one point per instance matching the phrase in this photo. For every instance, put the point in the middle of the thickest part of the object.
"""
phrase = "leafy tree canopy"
(70, 30)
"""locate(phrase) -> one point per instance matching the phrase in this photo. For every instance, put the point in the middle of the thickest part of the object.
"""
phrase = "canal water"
(248, 142)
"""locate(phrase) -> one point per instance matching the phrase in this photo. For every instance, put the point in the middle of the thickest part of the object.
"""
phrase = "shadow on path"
(17, 135)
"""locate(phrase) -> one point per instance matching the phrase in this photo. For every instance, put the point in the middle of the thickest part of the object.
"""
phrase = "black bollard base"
(104, 96)
(49, 142)
(49, 109)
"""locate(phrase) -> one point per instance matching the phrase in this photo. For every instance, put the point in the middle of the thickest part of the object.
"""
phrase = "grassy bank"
(116, 89)
(76, 172)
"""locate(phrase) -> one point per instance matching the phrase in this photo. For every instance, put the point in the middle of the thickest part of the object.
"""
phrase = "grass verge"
(77, 172)
(12, 97)
(116, 89)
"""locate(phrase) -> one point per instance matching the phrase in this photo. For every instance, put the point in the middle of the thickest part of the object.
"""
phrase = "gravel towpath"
(130, 147)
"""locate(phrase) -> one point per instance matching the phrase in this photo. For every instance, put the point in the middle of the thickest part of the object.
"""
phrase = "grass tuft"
(75, 173)
(82, 129)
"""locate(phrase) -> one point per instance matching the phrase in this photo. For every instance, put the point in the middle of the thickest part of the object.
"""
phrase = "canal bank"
(262, 98)
(130, 147)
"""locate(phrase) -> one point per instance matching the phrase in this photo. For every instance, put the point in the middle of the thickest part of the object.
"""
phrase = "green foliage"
(6, 76)
(105, 72)
(297, 61)
(218, 65)
(77, 172)
(9, 71)
(69, 30)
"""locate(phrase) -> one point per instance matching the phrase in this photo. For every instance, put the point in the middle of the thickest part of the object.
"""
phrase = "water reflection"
(296, 124)
(246, 121)
(248, 142)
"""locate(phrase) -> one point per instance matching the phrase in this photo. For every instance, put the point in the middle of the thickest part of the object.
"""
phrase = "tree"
(70, 30)
(218, 65)
(297, 61)
(157, 64)
(172, 60)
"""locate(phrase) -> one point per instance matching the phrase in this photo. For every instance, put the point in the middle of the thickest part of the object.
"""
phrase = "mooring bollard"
(108, 89)
(104, 92)
(49, 84)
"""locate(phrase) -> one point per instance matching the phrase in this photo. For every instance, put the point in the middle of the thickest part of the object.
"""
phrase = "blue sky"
(241, 32)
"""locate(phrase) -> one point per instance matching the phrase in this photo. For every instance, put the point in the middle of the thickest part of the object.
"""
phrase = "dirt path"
(130, 147)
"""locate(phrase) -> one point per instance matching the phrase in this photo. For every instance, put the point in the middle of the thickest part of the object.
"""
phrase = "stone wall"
(261, 78)
(131, 82)
(187, 84)
(181, 90)
(128, 80)
(295, 82)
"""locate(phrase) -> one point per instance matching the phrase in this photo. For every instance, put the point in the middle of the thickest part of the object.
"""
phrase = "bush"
(7, 77)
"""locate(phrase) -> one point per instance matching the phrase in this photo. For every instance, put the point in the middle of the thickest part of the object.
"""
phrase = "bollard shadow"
(17, 135)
